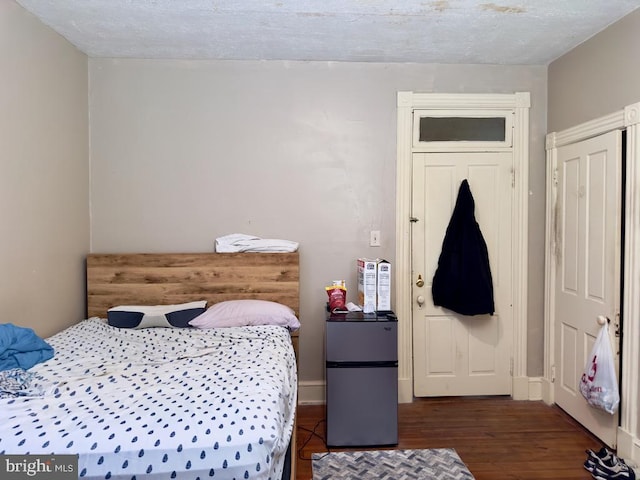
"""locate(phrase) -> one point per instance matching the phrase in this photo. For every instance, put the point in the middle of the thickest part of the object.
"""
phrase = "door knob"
(420, 281)
(420, 300)
(602, 320)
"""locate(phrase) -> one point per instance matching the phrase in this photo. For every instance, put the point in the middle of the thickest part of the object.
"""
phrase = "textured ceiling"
(432, 31)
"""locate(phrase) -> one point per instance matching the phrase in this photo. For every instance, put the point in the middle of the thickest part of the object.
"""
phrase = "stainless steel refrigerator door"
(362, 341)
(362, 406)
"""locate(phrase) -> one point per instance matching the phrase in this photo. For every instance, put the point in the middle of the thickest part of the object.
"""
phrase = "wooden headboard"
(169, 278)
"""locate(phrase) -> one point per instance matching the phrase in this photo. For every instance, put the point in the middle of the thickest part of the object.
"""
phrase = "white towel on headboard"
(239, 242)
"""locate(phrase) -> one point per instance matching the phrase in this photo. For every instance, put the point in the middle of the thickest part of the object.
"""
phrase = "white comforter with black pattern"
(160, 403)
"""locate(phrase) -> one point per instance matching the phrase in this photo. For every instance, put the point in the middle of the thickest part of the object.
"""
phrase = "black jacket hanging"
(462, 281)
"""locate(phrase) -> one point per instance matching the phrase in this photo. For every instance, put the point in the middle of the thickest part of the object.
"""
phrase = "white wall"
(185, 151)
(44, 191)
(599, 77)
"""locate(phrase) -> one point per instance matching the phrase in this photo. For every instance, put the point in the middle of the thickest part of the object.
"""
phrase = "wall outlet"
(374, 241)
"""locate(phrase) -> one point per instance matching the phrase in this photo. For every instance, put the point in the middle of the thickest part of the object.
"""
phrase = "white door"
(456, 354)
(587, 258)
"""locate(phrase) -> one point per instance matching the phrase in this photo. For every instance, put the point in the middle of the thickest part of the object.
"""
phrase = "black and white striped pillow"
(142, 316)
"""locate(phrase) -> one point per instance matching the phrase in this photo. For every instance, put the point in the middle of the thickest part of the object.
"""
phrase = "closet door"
(587, 257)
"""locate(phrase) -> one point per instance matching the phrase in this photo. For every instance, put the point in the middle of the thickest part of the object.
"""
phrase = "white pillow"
(239, 313)
(146, 316)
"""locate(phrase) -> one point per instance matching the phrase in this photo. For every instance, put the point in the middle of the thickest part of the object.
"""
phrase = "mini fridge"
(362, 379)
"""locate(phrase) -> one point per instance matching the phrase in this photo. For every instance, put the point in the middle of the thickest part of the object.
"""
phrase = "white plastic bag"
(599, 384)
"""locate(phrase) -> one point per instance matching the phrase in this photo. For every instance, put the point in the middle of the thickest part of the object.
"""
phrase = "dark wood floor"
(498, 438)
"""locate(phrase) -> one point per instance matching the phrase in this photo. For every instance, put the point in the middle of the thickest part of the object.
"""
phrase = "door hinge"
(555, 176)
(553, 373)
(513, 178)
(511, 366)
(617, 333)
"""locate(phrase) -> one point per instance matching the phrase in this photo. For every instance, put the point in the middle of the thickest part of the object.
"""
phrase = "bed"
(156, 403)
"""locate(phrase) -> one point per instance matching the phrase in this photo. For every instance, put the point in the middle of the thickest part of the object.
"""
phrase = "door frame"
(407, 102)
(626, 119)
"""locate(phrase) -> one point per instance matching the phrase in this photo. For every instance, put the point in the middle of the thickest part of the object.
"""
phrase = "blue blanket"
(21, 348)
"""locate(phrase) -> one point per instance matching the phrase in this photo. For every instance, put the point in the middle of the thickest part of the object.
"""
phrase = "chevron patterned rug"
(436, 464)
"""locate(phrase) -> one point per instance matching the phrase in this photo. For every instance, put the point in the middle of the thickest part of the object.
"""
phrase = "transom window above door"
(464, 128)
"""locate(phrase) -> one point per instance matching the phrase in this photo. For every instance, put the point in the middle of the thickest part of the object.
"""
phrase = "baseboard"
(628, 447)
(527, 388)
(547, 391)
(311, 393)
(524, 388)
(535, 388)
(405, 390)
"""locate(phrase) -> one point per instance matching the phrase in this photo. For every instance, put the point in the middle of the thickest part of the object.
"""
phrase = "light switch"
(375, 238)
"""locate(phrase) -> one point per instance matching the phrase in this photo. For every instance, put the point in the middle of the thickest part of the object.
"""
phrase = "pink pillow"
(240, 313)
